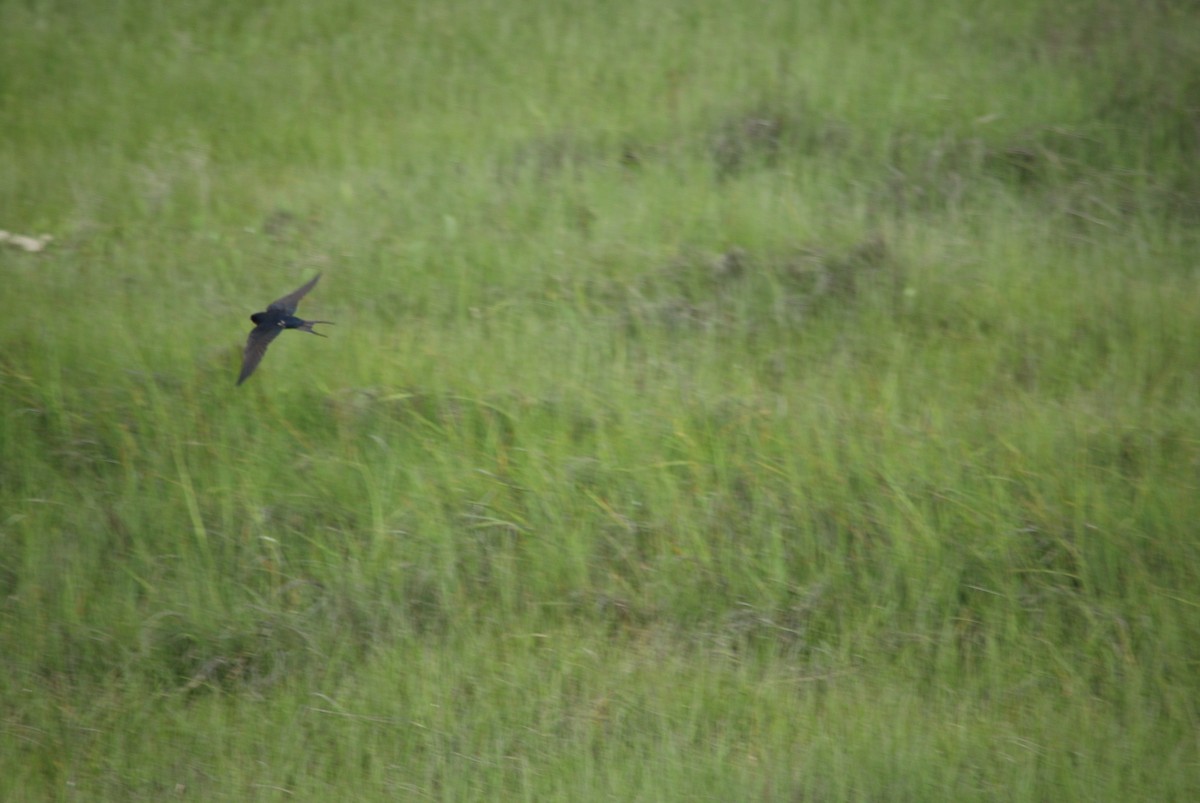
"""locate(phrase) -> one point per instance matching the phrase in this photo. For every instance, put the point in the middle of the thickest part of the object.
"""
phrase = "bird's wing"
(287, 305)
(256, 346)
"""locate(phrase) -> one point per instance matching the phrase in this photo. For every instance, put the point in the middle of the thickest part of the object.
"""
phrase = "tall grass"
(726, 402)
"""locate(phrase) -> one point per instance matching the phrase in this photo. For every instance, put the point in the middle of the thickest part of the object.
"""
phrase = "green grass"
(784, 402)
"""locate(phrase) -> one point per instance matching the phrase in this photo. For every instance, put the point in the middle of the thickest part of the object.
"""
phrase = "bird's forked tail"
(307, 326)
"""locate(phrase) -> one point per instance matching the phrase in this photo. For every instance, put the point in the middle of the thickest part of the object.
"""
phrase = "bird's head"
(257, 317)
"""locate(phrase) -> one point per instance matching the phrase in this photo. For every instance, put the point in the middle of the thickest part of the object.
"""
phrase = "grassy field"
(728, 401)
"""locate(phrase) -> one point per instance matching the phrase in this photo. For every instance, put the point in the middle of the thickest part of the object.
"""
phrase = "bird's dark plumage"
(267, 326)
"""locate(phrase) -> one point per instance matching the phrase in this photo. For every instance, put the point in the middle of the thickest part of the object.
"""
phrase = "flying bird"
(280, 315)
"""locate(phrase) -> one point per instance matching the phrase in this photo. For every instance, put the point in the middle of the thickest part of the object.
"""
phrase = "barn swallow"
(267, 326)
